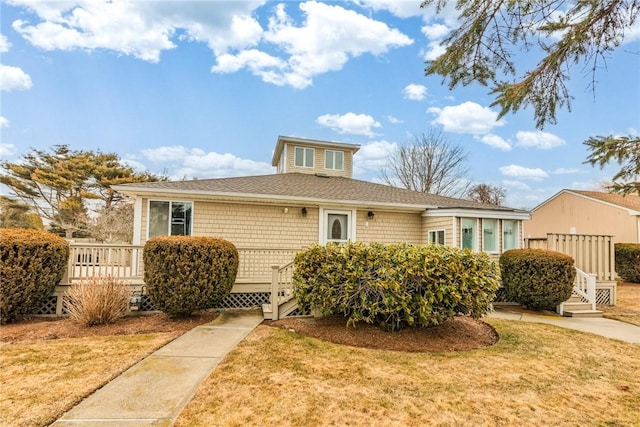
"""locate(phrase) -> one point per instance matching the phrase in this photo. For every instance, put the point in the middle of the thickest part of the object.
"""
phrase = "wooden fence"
(593, 254)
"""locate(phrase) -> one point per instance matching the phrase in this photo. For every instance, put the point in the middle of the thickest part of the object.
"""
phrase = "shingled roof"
(629, 201)
(305, 187)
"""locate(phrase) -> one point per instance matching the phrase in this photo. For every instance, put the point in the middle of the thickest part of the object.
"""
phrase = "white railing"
(125, 262)
(281, 286)
(585, 286)
(101, 260)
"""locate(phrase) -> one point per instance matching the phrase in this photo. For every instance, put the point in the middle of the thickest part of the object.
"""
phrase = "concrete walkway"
(608, 328)
(154, 391)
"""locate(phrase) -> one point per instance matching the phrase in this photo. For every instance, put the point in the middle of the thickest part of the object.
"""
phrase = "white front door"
(336, 226)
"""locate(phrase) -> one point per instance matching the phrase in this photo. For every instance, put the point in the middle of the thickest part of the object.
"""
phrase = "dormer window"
(334, 160)
(304, 157)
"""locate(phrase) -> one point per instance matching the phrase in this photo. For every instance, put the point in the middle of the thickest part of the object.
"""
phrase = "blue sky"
(202, 89)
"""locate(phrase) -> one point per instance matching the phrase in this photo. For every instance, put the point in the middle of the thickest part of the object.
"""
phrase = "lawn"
(627, 308)
(535, 375)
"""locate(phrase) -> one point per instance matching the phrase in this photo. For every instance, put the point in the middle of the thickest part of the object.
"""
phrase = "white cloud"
(515, 185)
(373, 156)
(7, 150)
(538, 139)
(394, 120)
(565, 171)
(4, 122)
(4, 44)
(13, 78)
(414, 92)
(351, 123)
(433, 51)
(329, 36)
(495, 141)
(197, 163)
(435, 31)
(467, 117)
(140, 29)
(515, 171)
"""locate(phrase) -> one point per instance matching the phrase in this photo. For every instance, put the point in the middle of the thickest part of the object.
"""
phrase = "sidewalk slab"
(608, 328)
(155, 390)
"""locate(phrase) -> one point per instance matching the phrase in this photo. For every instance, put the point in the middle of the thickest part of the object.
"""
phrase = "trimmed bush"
(628, 261)
(395, 286)
(32, 263)
(184, 274)
(98, 301)
(537, 278)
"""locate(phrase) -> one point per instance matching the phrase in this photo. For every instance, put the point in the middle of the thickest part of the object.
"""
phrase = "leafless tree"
(486, 193)
(429, 164)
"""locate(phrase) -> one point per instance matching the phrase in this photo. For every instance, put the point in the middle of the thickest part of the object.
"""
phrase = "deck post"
(274, 291)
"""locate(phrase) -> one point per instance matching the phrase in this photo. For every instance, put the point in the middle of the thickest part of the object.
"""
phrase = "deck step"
(582, 313)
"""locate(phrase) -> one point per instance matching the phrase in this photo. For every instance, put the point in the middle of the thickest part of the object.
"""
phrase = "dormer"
(313, 156)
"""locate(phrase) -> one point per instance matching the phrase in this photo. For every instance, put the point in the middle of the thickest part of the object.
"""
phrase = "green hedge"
(32, 263)
(628, 261)
(537, 278)
(395, 285)
(184, 274)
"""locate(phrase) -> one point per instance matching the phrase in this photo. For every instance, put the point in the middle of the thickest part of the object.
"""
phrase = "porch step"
(576, 306)
(286, 305)
(581, 313)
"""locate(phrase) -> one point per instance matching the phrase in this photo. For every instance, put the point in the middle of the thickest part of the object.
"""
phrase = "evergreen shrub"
(396, 285)
(628, 261)
(537, 278)
(184, 274)
(32, 263)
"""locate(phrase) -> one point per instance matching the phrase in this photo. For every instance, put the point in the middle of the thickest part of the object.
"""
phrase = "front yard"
(627, 308)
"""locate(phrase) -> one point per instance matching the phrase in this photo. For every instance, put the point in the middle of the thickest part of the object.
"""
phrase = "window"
(304, 157)
(509, 234)
(170, 218)
(468, 233)
(436, 237)
(334, 160)
(490, 235)
(336, 226)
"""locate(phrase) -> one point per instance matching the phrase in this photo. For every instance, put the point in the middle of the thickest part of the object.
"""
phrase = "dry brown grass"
(98, 300)
(627, 308)
(535, 375)
(41, 379)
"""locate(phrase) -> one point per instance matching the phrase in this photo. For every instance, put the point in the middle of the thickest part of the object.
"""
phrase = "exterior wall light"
(370, 215)
(304, 212)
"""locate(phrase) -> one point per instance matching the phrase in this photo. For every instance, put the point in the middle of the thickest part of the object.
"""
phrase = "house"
(587, 212)
(312, 197)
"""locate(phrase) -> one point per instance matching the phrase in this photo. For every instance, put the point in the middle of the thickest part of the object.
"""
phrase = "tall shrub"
(395, 286)
(537, 278)
(32, 263)
(628, 261)
(184, 274)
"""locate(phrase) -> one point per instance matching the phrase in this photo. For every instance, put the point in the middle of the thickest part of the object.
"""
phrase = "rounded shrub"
(395, 286)
(537, 278)
(628, 261)
(184, 274)
(32, 263)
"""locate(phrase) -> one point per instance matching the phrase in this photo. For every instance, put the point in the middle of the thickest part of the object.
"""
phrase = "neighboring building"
(587, 212)
(312, 198)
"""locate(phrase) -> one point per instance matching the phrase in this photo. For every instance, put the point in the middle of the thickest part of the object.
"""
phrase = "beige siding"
(389, 227)
(318, 160)
(438, 223)
(568, 213)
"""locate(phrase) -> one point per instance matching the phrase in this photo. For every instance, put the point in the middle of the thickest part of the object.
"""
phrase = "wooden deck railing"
(593, 254)
(125, 262)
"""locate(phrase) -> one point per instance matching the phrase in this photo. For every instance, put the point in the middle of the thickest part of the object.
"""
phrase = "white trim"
(334, 159)
(137, 221)
(304, 157)
(476, 213)
(454, 233)
(171, 201)
(322, 223)
(444, 236)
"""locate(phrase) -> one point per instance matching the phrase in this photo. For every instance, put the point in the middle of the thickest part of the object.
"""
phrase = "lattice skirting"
(604, 296)
(235, 300)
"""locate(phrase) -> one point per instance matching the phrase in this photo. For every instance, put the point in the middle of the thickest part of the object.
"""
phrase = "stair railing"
(585, 287)
(281, 286)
